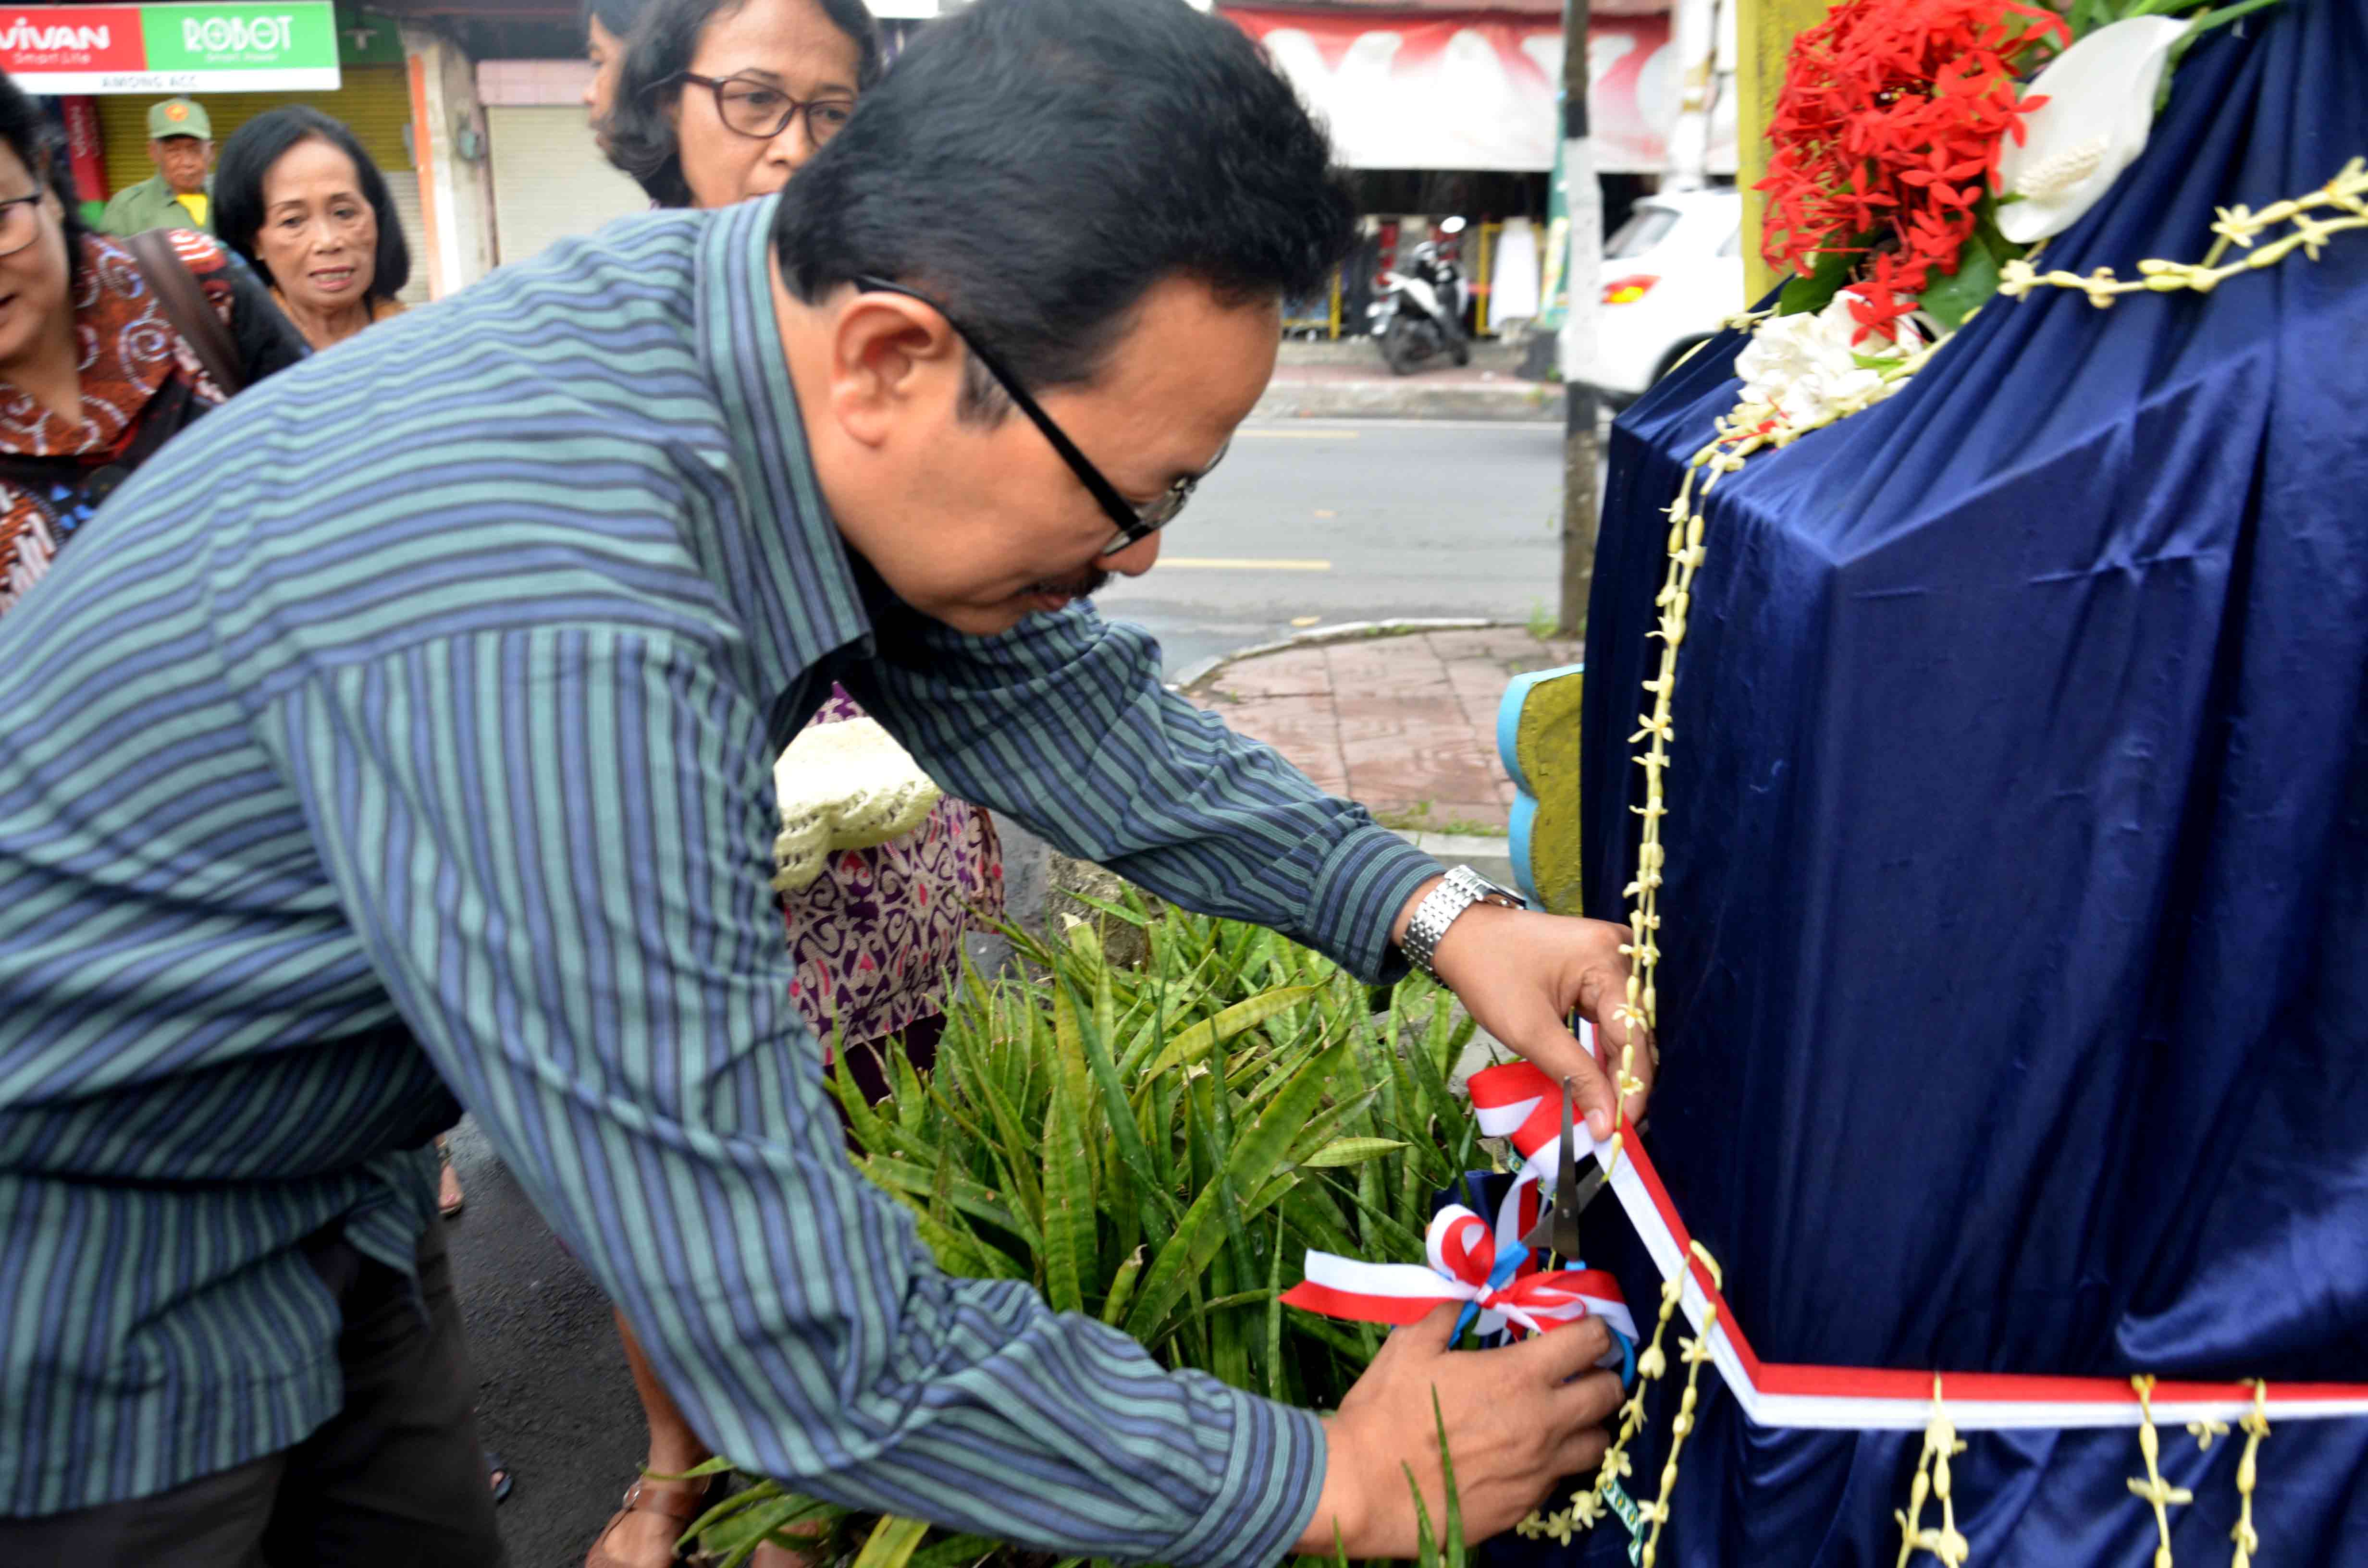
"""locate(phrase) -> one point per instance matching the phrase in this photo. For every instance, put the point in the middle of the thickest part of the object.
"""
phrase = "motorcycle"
(1419, 314)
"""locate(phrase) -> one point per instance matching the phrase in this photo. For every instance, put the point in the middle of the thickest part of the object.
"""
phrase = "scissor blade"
(1558, 1228)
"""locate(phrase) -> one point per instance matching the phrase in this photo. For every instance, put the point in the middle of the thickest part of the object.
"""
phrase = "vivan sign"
(69, 49)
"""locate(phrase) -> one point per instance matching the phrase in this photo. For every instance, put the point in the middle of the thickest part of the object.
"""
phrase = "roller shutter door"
(550, 179)
(375, 102)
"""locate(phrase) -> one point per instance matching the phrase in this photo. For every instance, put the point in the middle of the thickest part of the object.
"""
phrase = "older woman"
(297, 197)
(714, 103)
(98, 365)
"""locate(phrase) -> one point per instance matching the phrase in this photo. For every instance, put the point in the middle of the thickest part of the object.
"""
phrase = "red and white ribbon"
(1520, 1102)
(1466, 1266)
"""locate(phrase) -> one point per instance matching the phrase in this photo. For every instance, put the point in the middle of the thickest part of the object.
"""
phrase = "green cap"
(179, 117)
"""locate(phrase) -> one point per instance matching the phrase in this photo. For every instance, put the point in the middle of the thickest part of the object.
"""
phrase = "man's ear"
(892, 361)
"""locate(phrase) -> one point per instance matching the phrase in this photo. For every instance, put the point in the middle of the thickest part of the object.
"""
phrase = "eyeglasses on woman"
(758, 108)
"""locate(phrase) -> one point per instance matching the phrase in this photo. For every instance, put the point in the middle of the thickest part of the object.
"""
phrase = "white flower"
(2099, 106)
(1807, 368)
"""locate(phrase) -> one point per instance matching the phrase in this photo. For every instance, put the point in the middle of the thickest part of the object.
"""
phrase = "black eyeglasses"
(762, 110)
(20, 223)
(1135, 523)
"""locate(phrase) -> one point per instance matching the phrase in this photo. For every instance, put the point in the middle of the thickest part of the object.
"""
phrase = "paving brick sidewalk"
(1405, 724)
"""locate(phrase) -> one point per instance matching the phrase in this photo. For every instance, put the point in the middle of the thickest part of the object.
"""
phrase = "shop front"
(106, 65)
(1453, 112)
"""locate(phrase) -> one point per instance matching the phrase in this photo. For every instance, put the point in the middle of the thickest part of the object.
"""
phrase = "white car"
(1671, 277)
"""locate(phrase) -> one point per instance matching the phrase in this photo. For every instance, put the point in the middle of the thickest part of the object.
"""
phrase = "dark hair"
(246, 159)
(638, 131)
(34, 137)
(620, 17)
(1036, 165)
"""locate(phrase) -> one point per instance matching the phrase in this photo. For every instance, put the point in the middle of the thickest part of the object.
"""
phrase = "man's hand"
(1516, 1423)
(1522, 974)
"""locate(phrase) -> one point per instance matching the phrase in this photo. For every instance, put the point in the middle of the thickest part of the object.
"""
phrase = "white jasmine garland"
(1806, 369)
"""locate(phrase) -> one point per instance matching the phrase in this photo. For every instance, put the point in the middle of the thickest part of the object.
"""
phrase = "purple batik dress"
(878, 936)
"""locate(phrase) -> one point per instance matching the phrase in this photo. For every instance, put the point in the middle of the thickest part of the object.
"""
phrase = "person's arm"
(554, 846)
(1064, 724)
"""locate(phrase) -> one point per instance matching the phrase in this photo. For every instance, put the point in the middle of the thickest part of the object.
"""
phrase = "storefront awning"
(1410, 88)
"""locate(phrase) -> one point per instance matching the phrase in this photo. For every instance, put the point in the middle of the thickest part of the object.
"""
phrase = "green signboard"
(69, 49)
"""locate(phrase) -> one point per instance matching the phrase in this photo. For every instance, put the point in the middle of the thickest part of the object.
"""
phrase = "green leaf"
(1126, 1134)
(1193, 1043)
(1197, 1238)
(1274, 1380)
(1453, 1506)
(1806, 295)
(955, 1550)
(734, 1529)
(892, 1544)
(1351, 1152)
(869, 1130)
(966, 1195)
(1140, 920)
(1069, 1218)
(1013, 1135)
(1951, 297)
(1123, 1288)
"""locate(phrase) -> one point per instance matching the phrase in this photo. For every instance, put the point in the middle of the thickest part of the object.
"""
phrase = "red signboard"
(70, 37)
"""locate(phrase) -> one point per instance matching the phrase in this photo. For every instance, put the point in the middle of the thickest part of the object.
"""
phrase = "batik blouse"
(135, 371)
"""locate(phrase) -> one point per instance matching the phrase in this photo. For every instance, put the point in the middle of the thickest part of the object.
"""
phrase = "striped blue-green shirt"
(405, 732)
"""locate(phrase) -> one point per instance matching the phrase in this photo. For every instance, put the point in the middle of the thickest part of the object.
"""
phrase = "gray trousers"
(396, 1479)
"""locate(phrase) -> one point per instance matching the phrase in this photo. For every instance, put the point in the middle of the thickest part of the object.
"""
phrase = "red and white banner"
(1521, 1103)
(1473, 90)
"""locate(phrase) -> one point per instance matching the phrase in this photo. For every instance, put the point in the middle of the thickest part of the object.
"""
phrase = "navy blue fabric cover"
(2015, 986)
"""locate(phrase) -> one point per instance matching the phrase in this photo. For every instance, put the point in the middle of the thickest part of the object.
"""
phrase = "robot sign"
(68, 50)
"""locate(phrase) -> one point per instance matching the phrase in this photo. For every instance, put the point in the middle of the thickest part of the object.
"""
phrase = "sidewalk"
(1405, 724)
(1347, 379)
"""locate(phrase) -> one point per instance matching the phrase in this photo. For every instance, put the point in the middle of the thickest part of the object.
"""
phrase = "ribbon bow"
(1468, 1265)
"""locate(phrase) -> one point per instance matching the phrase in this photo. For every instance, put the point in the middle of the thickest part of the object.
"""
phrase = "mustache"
(1082, 584)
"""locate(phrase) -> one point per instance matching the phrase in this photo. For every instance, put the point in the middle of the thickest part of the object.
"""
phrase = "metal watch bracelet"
(1463, 888)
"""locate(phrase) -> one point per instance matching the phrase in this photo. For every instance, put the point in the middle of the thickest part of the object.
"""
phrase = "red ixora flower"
(1888, 124)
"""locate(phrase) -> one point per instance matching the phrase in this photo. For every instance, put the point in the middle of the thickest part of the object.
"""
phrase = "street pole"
(1693, 37)
(1583, 201)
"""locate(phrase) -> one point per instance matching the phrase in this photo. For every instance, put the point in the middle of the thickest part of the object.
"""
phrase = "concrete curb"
(1193, 674)
(1410, 398)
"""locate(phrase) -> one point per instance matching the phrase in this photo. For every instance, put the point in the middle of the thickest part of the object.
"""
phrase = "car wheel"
(1677, 355)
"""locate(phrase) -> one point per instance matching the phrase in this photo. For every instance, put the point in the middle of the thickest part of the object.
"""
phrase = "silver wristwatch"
(1464, 888)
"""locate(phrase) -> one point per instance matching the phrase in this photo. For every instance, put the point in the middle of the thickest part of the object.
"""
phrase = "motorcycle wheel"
(1398, 346)
(1461, 350)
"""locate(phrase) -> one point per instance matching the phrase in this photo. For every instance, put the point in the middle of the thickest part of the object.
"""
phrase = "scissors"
(1557, 1229)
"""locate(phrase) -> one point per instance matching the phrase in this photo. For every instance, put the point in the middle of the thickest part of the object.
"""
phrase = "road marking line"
(1268, 433)
(1243, 563)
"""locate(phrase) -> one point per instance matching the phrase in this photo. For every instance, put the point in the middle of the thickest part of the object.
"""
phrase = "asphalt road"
(1427, 518)
(1354, 519)
(555, 1398)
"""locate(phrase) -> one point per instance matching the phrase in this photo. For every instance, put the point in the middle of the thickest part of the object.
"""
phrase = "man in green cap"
(180, 195)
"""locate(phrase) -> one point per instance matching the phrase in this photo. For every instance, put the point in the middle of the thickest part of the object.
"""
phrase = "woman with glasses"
(300, 198)
(710, 105)
(715, 103)
(95, 377)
